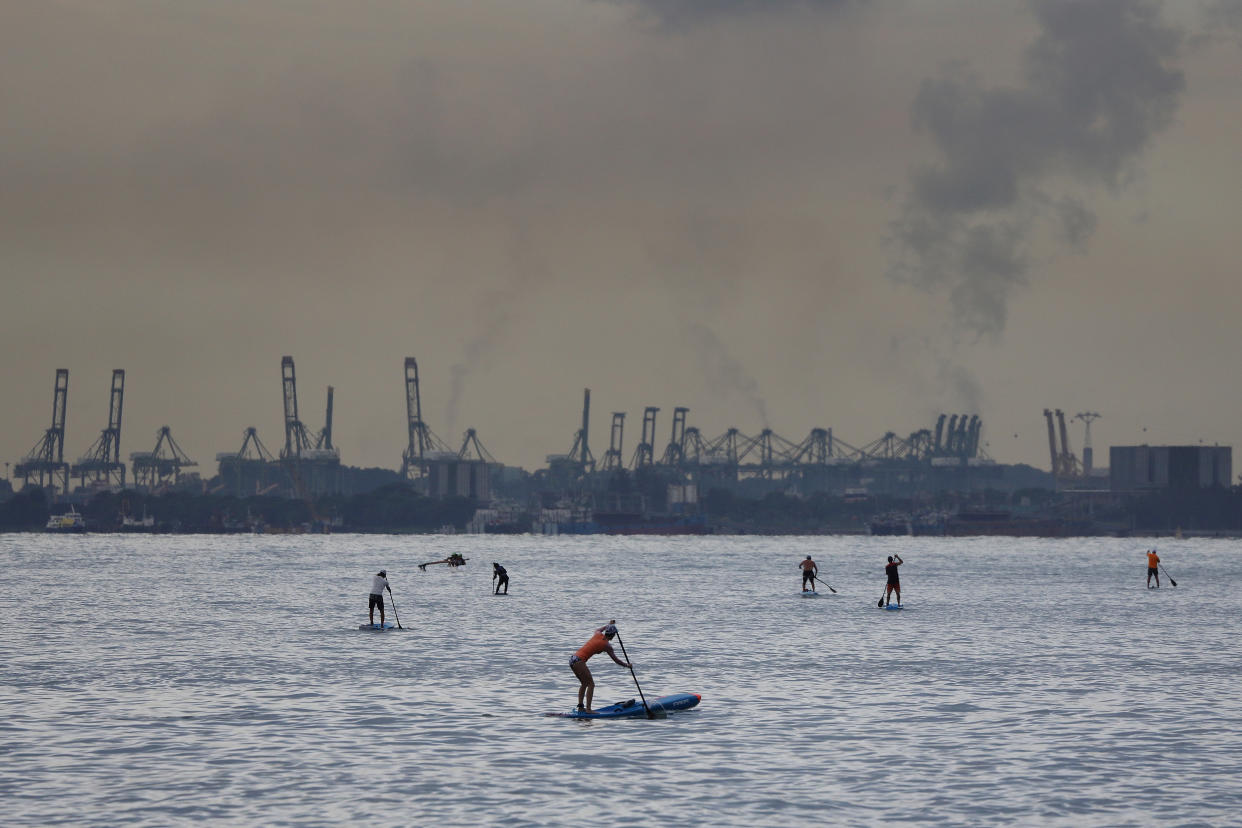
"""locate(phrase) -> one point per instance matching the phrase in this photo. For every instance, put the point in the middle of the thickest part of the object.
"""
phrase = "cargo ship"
(999, 522)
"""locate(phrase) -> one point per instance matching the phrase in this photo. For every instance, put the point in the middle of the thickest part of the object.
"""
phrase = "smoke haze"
(789, 214)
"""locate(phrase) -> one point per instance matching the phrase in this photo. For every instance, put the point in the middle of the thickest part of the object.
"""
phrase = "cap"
(383, 573)
(610, 629)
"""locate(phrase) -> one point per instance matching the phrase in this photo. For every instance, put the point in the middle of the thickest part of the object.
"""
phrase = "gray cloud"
(681, 14)
(1099, 83)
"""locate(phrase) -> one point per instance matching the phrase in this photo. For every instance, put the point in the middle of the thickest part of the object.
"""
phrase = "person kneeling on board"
(809, 571)
(500, 572)
(378, 584)
(894, 579)
(1153, 560)
(599, 643)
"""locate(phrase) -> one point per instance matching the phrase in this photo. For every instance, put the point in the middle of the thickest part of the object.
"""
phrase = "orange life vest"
(595, 646)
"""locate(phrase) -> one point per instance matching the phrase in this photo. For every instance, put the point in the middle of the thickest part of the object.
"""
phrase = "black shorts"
(502, 578)
(807, 575)
(376, 601)
(1151, 570)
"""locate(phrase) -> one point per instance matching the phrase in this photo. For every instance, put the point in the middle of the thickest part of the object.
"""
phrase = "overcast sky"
(780, 213)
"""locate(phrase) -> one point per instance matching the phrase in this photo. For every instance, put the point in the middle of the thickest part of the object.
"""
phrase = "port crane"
(45, 463)
(102, 461)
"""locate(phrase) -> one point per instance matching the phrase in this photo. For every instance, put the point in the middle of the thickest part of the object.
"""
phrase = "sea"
(156, 680)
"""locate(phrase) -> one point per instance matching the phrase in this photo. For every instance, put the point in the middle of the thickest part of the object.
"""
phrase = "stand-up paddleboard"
(809, 593)
(634, 707)
(387, 625)
(893, 607)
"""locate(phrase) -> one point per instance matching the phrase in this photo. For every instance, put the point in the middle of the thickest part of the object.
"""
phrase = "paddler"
(894, 578)
(1153, 560)
(500, 572)
(599, 643)
(378, 584)
(809, 571)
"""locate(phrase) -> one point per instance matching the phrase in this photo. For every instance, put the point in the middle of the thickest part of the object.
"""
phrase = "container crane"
(45, 463)
(102, 461)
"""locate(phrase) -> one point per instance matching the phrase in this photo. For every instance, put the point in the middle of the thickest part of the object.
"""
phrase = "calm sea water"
(180, 680)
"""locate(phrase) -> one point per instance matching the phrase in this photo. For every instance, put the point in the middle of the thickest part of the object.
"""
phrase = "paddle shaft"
(650, 715)
(394, 609)
(825, 583)
(1166, 574)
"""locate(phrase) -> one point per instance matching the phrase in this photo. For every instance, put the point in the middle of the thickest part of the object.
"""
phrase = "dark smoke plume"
(722, 371)
(1098, 85)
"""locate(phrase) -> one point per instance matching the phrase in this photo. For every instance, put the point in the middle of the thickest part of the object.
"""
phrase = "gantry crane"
(102, 461)
(580, 455)
(1088, 455)
(612, 459)
(45, 463)
(162, 465)
(675, 451)
(644, 454)
(421, 439)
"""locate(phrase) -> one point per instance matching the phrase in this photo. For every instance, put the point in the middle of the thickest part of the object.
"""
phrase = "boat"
(146, 523)
(928, 523)
(976, 522)
(71, 521)
(890, 523)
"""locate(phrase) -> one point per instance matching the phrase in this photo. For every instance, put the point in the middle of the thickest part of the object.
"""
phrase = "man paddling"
(1153, 560)
(453, 560)
(894, 579)
(600, 643)
(378, 584)
(809, 571)
(499, 572)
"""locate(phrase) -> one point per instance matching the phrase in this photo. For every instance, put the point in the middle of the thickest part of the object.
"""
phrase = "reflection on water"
(172, 680)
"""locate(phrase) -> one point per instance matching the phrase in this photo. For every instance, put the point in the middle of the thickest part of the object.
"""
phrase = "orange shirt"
(595, 646)
(1152, 560)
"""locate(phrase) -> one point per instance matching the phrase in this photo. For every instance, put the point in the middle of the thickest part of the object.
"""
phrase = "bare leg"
(586, 685)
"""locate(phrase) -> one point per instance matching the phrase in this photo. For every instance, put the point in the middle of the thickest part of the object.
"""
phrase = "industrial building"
(1154, 468)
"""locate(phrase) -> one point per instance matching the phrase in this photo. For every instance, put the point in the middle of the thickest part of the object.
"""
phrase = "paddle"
(1166, 574)
(650, 715)
(394, 609)
(825, 583)
(880, 603)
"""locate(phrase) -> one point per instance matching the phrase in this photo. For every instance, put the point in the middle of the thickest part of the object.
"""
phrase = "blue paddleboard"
(387, 625)
(893, 607)
(809, 593)
(634, 707)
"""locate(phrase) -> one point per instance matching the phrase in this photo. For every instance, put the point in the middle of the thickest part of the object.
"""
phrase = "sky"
(785, 214)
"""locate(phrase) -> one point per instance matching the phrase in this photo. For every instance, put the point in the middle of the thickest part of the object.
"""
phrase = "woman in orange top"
(599, 643)
(1152, 560)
